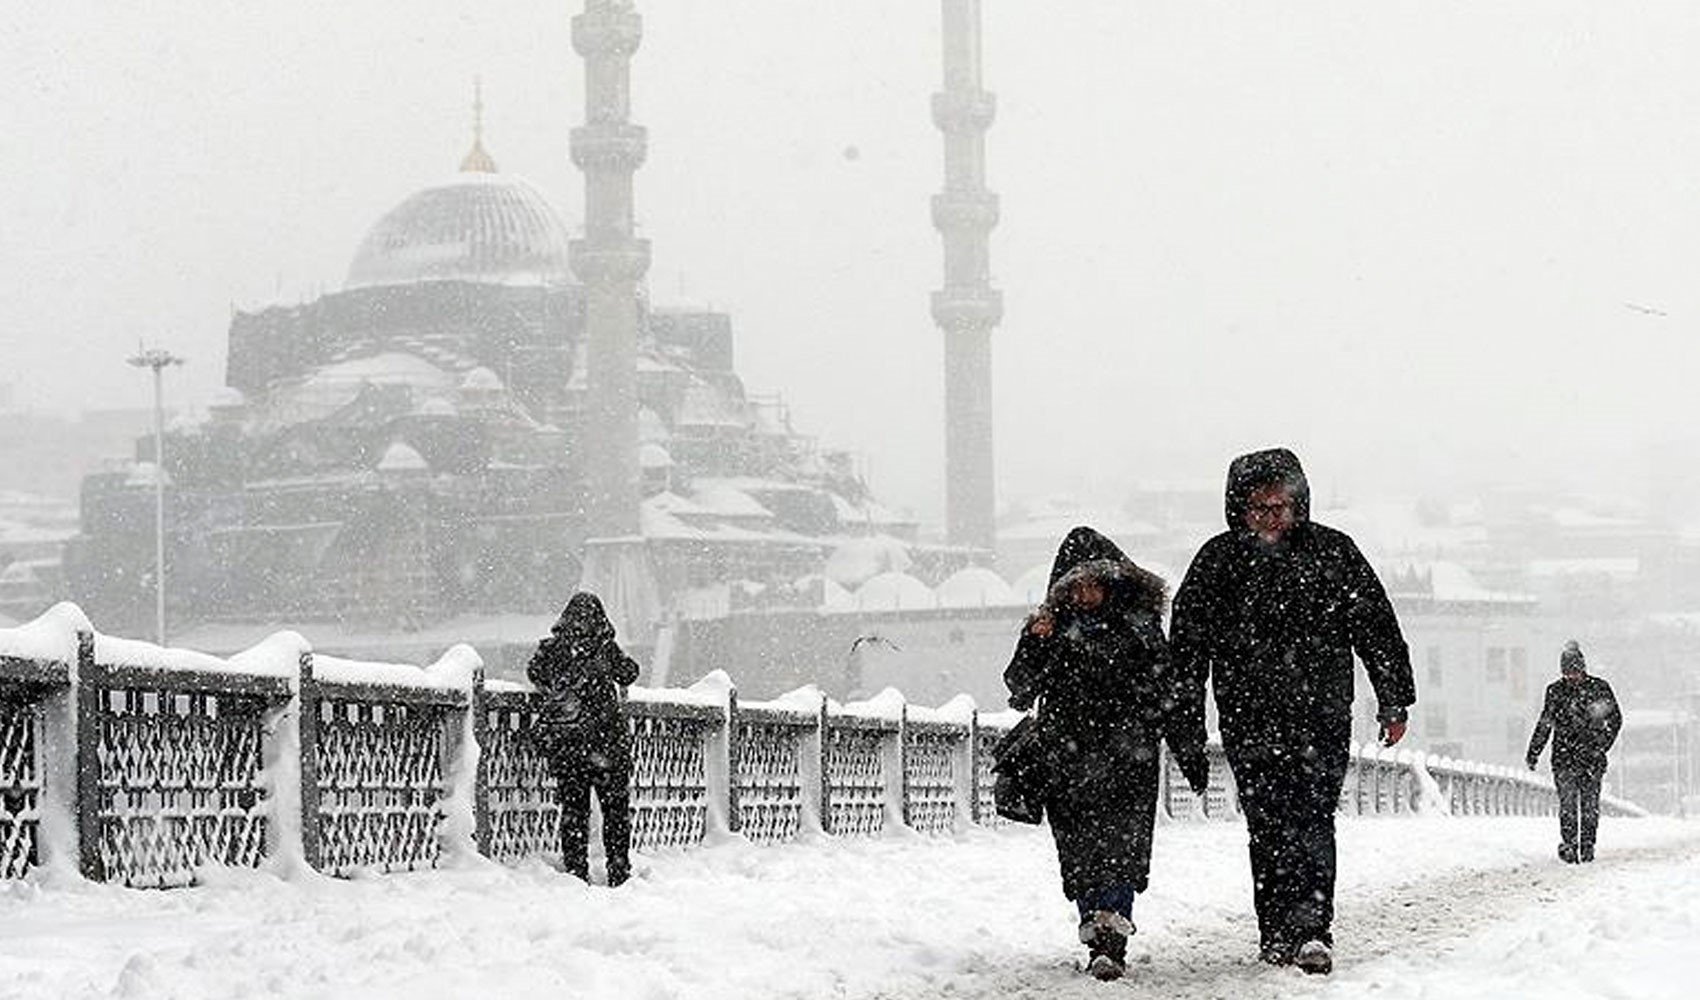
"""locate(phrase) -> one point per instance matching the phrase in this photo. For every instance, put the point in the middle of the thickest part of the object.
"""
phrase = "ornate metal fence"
(176, 779)
(671, 780)
(372, 759)
(24, 685)
(176, 769)
(522, 814)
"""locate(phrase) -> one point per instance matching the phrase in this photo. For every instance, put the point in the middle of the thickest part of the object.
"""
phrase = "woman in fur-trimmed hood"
(1094, 659)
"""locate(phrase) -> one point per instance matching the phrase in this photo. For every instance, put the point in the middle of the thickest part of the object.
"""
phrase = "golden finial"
(477, 160)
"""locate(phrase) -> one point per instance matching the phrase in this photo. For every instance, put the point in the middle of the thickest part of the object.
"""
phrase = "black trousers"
(611, 786)
(1578, 808)
(1289, 798)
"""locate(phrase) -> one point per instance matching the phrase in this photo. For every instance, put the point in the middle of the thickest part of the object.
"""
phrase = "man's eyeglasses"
(1269, 509)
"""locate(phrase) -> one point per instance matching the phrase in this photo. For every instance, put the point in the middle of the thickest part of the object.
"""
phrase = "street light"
(159, 360)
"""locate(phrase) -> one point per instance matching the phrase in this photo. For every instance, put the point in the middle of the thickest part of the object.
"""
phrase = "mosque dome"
(481, 226)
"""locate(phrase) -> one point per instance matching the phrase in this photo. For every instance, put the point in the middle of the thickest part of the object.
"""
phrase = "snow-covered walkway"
(1429, 908)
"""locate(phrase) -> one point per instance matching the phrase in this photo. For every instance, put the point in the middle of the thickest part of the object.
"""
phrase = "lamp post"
(158, 359)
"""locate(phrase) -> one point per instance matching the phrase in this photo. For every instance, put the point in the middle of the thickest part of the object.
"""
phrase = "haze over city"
(1429, 246)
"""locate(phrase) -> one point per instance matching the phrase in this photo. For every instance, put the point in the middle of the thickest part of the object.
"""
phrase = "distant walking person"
(579, 672)
(1271, 612)
(1581, 715)
(1094, 660)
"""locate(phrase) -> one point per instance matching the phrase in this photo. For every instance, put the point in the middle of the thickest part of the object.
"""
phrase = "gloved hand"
(1531, 761)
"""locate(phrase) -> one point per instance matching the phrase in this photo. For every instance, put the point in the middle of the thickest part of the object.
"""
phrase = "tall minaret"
(967, 307)
(610, 262)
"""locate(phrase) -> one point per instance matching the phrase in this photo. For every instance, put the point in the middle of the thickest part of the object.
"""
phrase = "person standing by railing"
(1271, 611)
(1581, 715)
(580, 672)
(1093, 658)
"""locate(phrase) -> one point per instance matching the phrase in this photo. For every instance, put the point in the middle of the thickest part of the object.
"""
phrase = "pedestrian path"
(1429, 908)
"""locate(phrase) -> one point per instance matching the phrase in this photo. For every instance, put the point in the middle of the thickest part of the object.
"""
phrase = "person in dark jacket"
(580, 672)
(1270, 612)
(1093, 659)
(1580, 713)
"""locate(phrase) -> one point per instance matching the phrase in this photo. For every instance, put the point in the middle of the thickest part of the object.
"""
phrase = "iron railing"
(168, 769)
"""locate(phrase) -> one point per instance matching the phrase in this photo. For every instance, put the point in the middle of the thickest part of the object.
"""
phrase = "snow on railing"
(141, 765)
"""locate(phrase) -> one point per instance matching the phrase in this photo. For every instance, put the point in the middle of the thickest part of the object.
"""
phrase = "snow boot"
(1567, 853)
(1106, 969)
(1585, 855)
(1315, 957)
(1105, 934)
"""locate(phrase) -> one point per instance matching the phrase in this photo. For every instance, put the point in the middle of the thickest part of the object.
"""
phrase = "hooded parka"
(579, 671)
(1274, 627)
(1100, 682)
(580, 728)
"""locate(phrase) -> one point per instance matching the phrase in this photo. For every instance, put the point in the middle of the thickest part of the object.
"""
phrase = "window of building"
(1434, 721)
(1519, 672)
(1434, 672)
(1496, 664)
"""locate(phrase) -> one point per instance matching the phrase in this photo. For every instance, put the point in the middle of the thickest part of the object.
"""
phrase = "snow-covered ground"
(1429, 908)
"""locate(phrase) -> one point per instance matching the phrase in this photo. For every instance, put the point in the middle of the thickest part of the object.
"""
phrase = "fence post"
(734, 814)
(312, 844)
(87, 697)
(903, 762)
(892, 759)
(823, 761)
(480, 709)
(974, 768)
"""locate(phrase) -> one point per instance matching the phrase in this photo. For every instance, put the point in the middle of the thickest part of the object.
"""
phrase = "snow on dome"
(492, 228)
(1031, 586)
(481, 379)
(859, 559)
(976, 587)
(435, 408)
(400, 457)
(895, 591)
(653, 456)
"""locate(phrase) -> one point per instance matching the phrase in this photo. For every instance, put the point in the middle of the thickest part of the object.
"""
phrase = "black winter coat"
(1583, 719)
(1099, 679)
(579, 672)
(1274, 628)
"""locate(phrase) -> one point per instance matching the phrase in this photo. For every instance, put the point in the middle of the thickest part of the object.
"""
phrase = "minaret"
(611, 263)
(967, 307)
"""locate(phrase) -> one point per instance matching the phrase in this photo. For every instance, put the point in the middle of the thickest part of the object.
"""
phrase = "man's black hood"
(1249, 473)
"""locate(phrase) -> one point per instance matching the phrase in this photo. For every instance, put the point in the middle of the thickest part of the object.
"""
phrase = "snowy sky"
(1414, 240)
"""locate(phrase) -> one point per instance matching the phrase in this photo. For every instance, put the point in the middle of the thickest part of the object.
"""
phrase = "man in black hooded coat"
(579, 672)
(1271, 612)
(1094, 658)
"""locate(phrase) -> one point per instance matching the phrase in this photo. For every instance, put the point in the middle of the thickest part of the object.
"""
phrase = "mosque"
(491, 413)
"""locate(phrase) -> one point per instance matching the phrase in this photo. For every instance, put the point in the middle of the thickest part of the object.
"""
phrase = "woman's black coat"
(1099, 679)
(579, 671)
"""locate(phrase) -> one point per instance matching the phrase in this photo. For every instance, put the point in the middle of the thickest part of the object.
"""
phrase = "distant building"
(412, 447)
